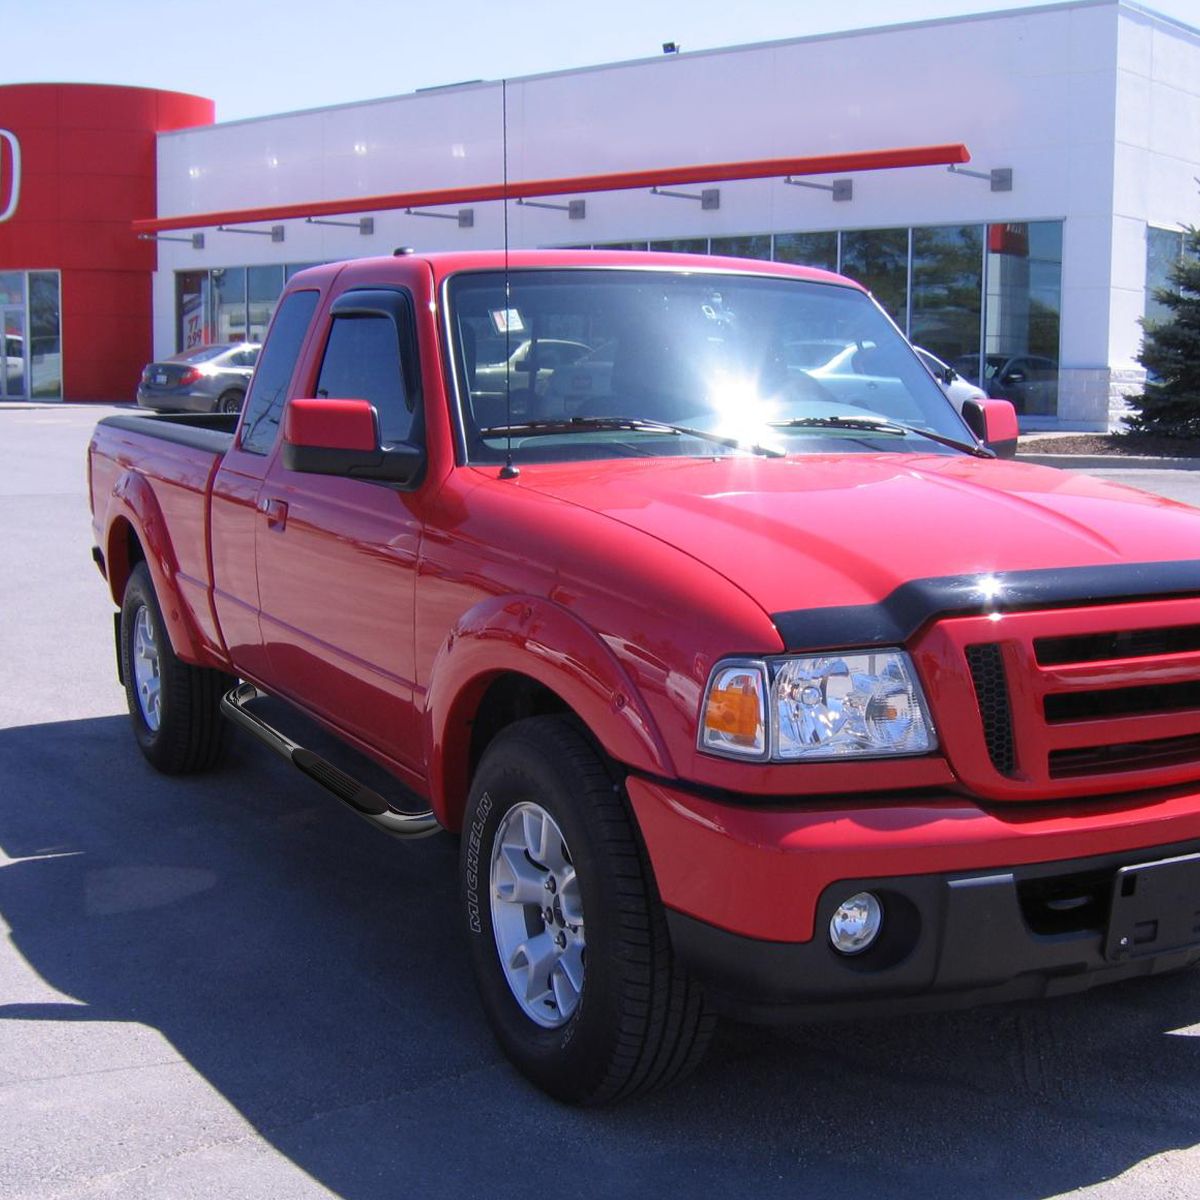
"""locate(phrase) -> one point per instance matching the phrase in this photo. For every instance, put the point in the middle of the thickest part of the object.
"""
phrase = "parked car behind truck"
(204, 379)
(747, 694)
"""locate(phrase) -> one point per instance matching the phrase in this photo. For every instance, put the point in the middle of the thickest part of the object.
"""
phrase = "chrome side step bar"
(368, 803)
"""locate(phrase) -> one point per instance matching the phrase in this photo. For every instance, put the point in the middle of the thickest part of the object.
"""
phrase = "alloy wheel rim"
(537, 915)
(147, 679)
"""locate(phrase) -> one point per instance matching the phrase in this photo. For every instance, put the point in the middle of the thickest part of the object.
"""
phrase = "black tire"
(190, 733)
(231, 402)
(639, 1022)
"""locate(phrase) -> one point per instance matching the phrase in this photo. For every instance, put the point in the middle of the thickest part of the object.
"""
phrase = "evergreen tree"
(1170, 405)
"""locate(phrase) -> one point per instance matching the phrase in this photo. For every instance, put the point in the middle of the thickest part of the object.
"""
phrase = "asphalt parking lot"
(229, 987)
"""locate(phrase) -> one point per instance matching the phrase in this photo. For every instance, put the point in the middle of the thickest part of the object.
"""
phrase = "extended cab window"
(268, 388)
(363, 362)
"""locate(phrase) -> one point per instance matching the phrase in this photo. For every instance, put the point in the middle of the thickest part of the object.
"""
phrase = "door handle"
(275, 511)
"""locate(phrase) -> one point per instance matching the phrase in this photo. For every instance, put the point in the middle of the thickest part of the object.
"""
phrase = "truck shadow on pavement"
(310, 973)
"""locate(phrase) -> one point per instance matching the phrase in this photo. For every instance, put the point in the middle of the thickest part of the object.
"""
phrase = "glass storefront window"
(682, 246)
(753, 245)
(228, 305)
(807, 249)
(45, 336)
(12, 335)
(263, 285)
(1022, 315)
(191, 305)
(947, 290)
(878, 259)
(1164, 249)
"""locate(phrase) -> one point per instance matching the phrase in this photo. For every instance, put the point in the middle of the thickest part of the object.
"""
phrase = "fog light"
(856, 923)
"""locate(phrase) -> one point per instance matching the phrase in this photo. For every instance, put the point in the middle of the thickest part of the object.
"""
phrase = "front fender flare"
(534, 637)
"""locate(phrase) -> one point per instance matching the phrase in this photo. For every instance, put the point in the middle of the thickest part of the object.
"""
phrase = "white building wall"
(1059, 94)
(1157, 161)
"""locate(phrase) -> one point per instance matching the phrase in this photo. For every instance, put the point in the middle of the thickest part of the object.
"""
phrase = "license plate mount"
(1155, 908)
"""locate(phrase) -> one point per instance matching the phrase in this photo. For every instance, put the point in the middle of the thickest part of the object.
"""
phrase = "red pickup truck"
(753, 682)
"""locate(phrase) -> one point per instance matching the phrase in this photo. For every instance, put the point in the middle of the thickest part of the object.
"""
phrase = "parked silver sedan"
(204, 379)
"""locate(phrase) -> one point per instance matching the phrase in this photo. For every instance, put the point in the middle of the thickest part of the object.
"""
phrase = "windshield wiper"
(868, 425)
(633, 424)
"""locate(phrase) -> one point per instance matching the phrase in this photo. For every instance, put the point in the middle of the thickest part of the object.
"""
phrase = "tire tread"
(663, 1023)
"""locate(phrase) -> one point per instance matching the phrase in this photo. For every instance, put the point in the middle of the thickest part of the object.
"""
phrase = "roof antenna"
(508, 471)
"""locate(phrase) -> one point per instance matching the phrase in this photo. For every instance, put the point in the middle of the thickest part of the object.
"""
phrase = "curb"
(1093, 462)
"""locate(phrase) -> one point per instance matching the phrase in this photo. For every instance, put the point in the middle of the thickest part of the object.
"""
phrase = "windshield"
(600, 363)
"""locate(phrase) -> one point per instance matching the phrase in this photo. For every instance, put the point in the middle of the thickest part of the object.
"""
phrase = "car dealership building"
(1028, 265)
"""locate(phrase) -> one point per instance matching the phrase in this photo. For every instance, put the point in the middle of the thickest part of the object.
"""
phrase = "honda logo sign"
(10, 182)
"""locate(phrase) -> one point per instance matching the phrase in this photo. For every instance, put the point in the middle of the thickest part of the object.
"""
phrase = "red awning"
(762, 168)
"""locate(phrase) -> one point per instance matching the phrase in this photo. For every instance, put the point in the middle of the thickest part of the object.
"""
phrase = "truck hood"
(816, 531)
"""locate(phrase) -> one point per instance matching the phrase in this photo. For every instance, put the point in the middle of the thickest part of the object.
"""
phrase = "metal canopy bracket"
(842, 189)
(196, 241)
(364, 225)
(1001, 178)
(275, 233)
(710, 198)
(576, 210)
(465, 216)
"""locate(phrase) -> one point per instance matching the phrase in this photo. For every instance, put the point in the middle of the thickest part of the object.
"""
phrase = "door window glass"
(268, 388)
(362, 362)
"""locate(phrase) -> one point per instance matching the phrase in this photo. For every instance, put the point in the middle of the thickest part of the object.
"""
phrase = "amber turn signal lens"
(735, 709)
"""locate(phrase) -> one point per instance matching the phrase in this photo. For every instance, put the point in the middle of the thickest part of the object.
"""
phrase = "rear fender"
(530, 636)
(134, 508)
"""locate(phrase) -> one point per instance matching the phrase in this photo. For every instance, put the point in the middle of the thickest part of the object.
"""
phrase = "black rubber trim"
(199, 431)
(958, 939)
(894, 620)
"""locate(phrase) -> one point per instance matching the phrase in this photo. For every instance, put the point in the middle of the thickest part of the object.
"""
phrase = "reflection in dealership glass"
(1028, 380)
(206, 379)
(630, 363)
(957, 389)
(14, 365)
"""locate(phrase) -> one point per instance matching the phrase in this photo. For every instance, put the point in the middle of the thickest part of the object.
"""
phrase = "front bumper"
(979, 905)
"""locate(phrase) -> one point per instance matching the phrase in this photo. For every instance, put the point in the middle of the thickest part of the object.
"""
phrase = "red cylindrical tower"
(77, 165)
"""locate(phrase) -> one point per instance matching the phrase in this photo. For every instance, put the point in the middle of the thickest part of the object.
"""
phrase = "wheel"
(567, 937)
(174, 707)
(230, 402)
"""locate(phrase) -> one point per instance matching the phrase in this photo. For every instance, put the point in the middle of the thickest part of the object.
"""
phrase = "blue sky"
(257, 59)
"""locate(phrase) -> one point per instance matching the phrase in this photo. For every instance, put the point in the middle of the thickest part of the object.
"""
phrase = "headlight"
(829, 706)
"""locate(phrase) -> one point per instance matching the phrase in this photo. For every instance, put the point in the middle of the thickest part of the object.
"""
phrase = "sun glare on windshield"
(602, 363)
